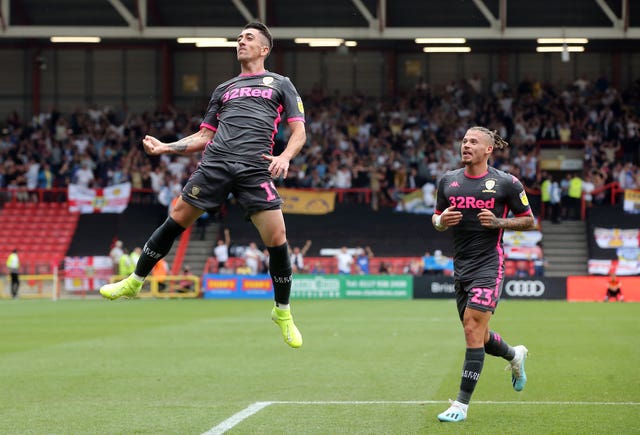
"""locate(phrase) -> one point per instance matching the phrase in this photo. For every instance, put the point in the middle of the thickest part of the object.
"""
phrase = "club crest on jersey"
(267, 80)
(489, 186)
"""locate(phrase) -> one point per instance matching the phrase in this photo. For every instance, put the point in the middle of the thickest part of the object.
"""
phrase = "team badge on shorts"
(195, 191)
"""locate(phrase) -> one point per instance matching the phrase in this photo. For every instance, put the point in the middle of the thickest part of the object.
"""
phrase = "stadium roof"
(372, 21)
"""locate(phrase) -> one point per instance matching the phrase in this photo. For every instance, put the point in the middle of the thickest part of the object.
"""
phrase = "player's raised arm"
(187, 145)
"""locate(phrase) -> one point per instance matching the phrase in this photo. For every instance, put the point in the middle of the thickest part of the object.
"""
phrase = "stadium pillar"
(167, 76)
(503, 67)
(616, 69)
(279, 58)
(36, 75)
(392, 72)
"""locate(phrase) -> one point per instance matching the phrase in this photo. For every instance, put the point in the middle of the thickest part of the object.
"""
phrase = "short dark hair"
(263, 29)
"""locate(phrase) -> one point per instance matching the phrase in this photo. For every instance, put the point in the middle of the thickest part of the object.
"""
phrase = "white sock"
(137, 277)
(283, 306)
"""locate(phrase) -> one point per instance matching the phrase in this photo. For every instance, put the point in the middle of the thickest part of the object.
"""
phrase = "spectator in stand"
(548, 131)
(125, 265)
(297, 257)
(522, 269)
(428, 264)
(363, 258)
(587, 189)
(599, 181)
(344, 259)
(384, 268)
(377, 181)
(539, 265)
(135, 255)
(186, 285)
(441, 262)
(414, 268)
(45, 176)
(609, 150)
(115, 253)
(31, 174)
(626, 176)
(84, 176)
(564, 195)
(253, 258)
(243, 268)
(555, 201)
(529, 169)
(343, 177)
(316, 268)
(221, 251)
(264, 262)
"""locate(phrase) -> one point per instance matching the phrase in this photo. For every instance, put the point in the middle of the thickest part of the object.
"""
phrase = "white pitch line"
(237, 418)
(258, 406)
(435, 402)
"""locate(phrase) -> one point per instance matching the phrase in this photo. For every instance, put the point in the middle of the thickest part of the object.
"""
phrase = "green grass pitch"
(366, 367)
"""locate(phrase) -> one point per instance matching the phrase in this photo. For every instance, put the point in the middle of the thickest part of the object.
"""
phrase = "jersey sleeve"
(210, 119)
(293, 107)
(517, 199)
(441, 200)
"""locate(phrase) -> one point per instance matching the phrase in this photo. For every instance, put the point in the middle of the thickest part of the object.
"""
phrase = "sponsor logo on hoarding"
(525, 288)
(442, 287)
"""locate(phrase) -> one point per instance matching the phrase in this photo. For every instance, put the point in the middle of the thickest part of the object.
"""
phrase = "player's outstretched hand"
(279, 165)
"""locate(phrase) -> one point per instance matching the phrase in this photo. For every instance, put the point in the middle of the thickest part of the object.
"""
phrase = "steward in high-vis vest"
(574, 195)
(545, 196)
(13, 266)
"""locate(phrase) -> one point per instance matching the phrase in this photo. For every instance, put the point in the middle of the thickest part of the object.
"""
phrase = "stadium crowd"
(388, 145)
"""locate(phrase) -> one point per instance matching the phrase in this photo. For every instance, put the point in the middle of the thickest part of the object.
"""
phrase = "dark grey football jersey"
(245, 112)
(478, 250)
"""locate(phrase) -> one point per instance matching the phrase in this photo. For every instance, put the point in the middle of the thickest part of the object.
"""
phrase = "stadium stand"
(42, 231)
(96, 233)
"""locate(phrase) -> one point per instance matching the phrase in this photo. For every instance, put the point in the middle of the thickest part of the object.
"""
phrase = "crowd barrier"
(573, 288)
(335, 286)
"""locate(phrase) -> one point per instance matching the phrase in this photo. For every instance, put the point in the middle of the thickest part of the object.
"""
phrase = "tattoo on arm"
(180, 146)
(522, 223)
